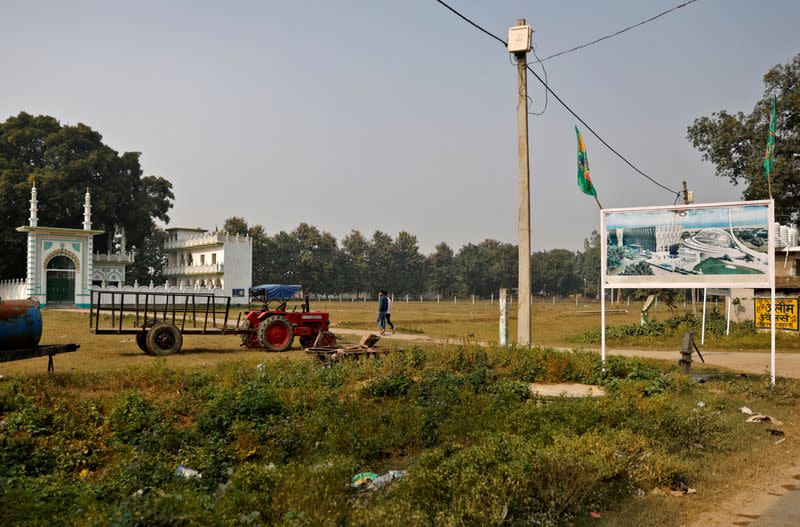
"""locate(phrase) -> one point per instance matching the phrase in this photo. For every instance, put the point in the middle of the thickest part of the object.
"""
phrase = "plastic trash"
(188, 473)
(382, 481)
(362, 478)
(746, 410)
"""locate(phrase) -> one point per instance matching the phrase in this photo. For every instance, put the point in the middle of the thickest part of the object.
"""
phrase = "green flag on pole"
(769, 153)
(584, 180)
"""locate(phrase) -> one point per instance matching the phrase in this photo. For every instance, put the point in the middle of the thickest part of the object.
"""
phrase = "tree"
(64, 160)
(409, 265)
(355, 263)
(590, 264)
(485, 268)
(150, 259)
(441, 271)
(556, 272)
(736, 143)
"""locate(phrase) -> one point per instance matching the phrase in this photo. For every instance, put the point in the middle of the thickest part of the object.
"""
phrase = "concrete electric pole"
(688, 197)
(519, 43)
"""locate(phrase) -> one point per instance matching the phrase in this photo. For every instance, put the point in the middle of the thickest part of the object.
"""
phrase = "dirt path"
(756, 363)
(773, 502)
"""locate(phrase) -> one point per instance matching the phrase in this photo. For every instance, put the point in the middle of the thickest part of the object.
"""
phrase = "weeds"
(278, 445)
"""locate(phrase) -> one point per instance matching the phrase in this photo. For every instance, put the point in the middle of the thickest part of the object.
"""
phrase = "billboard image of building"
(687, 246)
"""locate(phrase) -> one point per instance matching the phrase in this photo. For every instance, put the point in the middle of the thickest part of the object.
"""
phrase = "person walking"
(389, 311)
(383, 306)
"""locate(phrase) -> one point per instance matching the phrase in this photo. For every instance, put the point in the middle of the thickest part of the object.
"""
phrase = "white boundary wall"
(14, 289)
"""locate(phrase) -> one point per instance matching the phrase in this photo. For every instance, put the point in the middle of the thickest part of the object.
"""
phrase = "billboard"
(718, 245)
(785, 313)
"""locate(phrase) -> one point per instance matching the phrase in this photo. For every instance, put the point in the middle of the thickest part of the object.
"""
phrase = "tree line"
(359, 263)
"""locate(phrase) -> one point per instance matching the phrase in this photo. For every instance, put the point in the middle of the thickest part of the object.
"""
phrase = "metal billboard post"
(703, 331)
(603, 237)
(771, 245)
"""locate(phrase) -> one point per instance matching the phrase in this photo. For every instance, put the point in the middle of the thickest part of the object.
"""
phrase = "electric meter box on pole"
(519, 39)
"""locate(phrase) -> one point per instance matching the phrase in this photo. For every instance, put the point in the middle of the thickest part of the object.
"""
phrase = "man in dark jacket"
(383, 307)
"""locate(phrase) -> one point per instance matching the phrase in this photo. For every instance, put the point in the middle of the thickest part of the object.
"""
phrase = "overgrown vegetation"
(674, 326)
(279, 444)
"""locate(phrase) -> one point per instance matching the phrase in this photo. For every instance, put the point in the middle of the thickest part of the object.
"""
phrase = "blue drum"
(20, 324)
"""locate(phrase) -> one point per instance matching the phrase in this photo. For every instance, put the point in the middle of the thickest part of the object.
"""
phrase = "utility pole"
(688, 197)
(519, 43)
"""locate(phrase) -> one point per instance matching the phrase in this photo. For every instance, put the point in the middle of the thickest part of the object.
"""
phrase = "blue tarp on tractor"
(275, 291)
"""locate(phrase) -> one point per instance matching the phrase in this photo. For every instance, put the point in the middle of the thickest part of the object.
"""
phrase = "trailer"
(160, 319)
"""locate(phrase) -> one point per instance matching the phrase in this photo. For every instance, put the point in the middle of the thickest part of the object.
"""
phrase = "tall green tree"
(409, 265)
(556, 272)
(735, 143)
(355, 266)
(441, 271)
(590, 264)
(485, 268)
(64, 160)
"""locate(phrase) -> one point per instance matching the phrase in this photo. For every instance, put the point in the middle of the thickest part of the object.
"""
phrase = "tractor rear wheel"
(164, 339)
(275, 334)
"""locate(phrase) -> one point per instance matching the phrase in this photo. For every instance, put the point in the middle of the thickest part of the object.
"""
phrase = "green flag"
(769, 154)
(584, 181)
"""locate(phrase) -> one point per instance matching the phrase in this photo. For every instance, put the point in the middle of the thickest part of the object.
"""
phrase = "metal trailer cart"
(160, 319)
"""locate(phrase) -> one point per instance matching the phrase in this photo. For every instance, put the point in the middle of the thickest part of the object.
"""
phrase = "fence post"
(503, 301)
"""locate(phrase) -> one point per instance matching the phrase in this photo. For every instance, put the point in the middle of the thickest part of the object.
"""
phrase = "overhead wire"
(643, 22)
(561, 101)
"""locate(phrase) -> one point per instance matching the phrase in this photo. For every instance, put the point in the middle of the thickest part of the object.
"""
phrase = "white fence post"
(503, 301)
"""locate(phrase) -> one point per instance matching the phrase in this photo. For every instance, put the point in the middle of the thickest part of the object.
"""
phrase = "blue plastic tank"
(20, 324)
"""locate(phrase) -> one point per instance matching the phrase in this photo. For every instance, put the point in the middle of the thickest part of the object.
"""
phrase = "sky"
(394, 116)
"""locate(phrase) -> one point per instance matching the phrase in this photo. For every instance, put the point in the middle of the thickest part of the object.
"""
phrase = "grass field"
(553, 325)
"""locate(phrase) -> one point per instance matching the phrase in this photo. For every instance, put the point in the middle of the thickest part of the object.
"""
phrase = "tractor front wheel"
(275, 334)
(249, 339)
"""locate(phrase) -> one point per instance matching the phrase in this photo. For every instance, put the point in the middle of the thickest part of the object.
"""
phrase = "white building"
(61, 263)
(196, 257)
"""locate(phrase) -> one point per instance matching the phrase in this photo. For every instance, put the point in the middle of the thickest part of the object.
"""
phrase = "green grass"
(279, 444)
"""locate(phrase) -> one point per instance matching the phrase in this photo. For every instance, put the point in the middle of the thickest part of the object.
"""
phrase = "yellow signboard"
(785, 313)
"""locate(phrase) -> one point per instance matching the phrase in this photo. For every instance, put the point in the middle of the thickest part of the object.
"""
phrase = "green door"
(60, 281)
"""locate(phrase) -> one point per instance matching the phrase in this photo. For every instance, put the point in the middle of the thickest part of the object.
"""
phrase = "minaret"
(87, 211)
(33, 221)
(87, 226)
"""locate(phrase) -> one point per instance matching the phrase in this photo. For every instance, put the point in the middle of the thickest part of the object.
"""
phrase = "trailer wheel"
(275, 334)
(164, 339)
(141, 341)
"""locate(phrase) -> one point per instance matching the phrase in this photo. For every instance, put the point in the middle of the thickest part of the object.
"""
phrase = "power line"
(548, 89)
(473, 24)
(578, 117)
(643, 22)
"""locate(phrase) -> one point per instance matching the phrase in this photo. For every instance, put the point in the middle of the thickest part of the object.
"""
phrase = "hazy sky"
(392, 115)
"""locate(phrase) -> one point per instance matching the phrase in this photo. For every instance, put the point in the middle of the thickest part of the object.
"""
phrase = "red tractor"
(274, 328)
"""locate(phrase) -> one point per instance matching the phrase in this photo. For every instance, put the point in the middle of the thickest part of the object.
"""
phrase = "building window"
(202, 259)
(214, 258)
